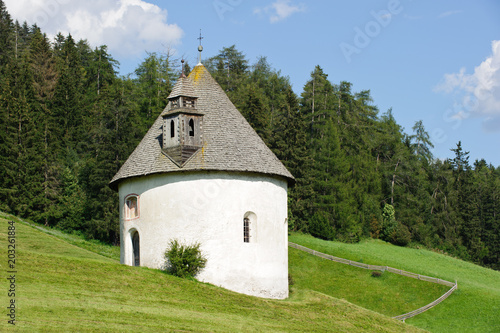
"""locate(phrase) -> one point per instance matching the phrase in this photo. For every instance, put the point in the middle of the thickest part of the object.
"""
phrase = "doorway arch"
(136, 255)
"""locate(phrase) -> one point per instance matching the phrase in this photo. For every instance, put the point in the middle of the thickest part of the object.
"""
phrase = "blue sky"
(436, 61)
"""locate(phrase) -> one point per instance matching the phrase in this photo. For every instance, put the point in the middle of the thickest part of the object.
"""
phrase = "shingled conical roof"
(229, 142)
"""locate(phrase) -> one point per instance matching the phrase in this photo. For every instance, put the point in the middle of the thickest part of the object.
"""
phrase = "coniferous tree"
(461, 185)
(44, 81)
(27, 181)
(289, 142)
(7, 128)
(421, 141)
(6, 37)
(68, 106)
(155, 80)
(103, 70)
(230, 69)
(8, 147)
(253, 109)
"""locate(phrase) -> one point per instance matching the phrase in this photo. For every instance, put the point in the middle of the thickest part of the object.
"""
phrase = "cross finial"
(200, 48)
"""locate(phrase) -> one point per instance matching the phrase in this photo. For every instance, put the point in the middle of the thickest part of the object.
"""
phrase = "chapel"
(202, 174)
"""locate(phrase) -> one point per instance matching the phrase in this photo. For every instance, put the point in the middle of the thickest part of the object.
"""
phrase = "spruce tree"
(68, 106)
(421, 141)
(6, 37)
(230, 69)
(44, 82)
(155, 79)
(289, 141)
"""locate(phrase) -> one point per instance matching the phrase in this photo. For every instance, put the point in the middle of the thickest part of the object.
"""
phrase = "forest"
(68, 121)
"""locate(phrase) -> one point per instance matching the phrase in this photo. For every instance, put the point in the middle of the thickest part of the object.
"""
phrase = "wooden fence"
(402, 317)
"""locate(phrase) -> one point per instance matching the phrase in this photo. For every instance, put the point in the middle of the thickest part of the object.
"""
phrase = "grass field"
(474, 307)
(389, 294)
(61, 287)
(64, 283)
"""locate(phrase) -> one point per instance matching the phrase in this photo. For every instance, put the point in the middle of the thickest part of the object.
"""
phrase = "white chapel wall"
(209, 208)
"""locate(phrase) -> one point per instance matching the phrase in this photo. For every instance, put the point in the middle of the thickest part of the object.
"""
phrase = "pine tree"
(26, 182)
(8, 147)
(317, 97)
(44, 82)
(155, 80)
(102, 69)
(253, 109)
(467, 222)
(230, 69)
(68, 106)
(7, 124)
(289, 142)
(421, 142)
(6, 37)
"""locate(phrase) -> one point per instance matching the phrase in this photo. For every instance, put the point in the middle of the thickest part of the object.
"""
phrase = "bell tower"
(182, 123)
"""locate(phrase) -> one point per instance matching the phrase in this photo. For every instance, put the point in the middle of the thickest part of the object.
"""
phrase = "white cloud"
(280, 10)
(453, 81)
(127, 27)
(480, 91)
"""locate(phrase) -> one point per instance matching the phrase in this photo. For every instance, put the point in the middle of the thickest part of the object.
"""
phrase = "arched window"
(131, 207)
(136, 254)
(172, 128)
(191, 127)
(249, 227)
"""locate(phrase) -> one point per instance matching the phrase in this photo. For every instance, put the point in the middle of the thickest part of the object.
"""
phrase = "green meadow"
(62, 287)
(474, 307)
(64, 283)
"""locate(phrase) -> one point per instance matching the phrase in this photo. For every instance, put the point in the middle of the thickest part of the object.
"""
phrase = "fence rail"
(402, 317)
(428, 306)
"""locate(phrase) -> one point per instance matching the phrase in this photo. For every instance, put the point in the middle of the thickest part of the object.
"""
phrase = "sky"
(432, 60)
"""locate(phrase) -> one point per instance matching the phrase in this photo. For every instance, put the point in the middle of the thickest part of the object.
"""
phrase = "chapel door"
(135, 245)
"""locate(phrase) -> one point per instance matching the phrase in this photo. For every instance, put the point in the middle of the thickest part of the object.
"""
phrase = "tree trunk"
(393, 181)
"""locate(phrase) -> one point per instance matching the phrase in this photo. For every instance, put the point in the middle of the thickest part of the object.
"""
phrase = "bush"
(401, 236)
(320, 226)
(389, 222)
(376, 273)
(374, 227)
(184, 260)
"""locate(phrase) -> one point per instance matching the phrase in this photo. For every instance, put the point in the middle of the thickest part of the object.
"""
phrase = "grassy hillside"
(389, 294)
(62, 287)
(67, 284)
(474, 307)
